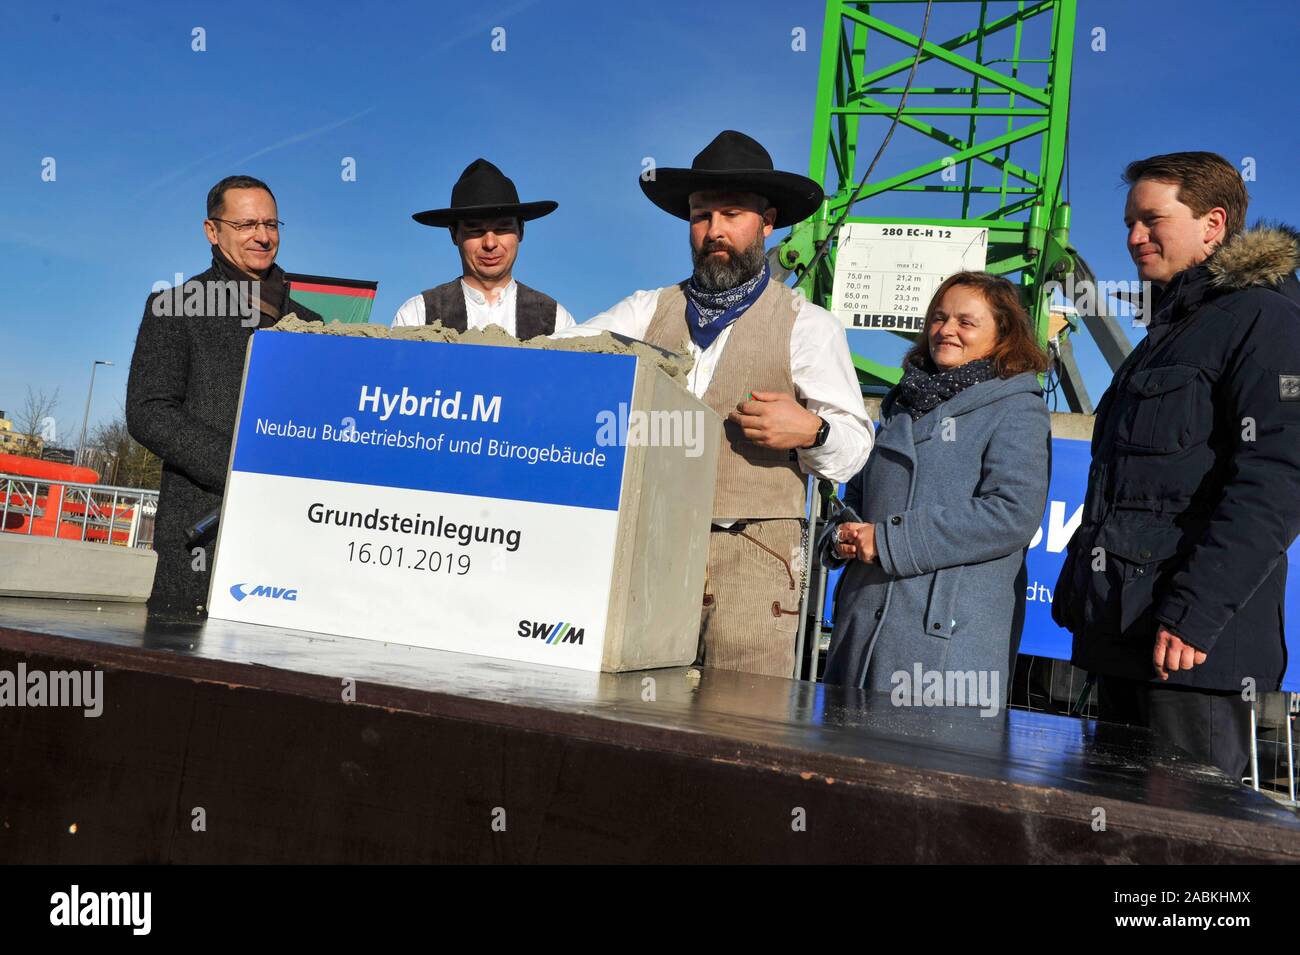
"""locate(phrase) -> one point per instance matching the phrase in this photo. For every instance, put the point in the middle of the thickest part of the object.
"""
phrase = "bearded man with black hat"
(188, 366)
(486, 220)
(775, 367)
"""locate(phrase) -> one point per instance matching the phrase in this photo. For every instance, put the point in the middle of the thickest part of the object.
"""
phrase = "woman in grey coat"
(931, 604)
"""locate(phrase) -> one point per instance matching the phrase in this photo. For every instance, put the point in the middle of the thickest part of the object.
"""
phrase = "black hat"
(734, 162)
(484, 192)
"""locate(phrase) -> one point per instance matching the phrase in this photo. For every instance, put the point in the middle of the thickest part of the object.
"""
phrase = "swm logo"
(551, 632)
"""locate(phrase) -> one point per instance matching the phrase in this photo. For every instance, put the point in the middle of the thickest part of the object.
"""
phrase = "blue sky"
(140, 127)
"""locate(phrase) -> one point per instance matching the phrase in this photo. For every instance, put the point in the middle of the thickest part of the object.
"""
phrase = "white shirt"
(479, 312)
(820, 366)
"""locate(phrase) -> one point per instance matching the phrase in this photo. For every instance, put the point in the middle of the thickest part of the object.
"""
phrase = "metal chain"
(804, 559)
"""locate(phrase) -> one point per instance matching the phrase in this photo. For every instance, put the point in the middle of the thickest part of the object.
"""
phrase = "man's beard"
(717, 275)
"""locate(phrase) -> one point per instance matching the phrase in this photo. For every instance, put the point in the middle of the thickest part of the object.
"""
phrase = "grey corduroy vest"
(753, 482)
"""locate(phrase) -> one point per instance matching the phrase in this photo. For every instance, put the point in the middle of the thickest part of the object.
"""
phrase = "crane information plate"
(459, 497)
(885, 274)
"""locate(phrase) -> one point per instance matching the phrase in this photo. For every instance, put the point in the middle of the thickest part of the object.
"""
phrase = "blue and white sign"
(1065, 494)
(440, 495)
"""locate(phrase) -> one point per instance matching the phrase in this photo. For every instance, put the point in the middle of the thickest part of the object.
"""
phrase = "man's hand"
(1172, 654)
(776, 420)
(856, 540)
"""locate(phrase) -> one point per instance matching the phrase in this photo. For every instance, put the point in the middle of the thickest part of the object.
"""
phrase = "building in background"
(15, 442)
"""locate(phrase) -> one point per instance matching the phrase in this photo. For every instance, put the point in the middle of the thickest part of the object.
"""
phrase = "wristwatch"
(822, 434)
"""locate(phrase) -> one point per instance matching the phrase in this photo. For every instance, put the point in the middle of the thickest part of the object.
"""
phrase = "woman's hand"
(846, 540)
(856, 540)
(865, 540)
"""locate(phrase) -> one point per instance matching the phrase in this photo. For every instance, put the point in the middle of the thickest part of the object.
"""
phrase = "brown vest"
(534, 311)
(753, 482)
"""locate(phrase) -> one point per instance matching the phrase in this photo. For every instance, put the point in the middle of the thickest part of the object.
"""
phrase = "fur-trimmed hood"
(1266, 255)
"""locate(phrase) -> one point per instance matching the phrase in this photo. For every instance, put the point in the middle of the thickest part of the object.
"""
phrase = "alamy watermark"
(78, 688)
(1089, 298)
(921, 687)
(661, 428)
(75, 907)
(215, 299)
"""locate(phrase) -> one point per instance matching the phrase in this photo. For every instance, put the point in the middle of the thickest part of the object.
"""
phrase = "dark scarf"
(708, 313)
(273, 300)
(921, 391)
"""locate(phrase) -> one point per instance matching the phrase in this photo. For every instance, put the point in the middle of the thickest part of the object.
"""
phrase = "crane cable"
(835, 229)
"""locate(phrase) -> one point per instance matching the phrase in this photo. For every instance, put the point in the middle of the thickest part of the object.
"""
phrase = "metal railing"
(69, 510)
(1044, 685)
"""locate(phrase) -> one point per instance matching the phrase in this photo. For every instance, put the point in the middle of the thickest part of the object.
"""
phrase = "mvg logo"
(262, 590)
(551, 633)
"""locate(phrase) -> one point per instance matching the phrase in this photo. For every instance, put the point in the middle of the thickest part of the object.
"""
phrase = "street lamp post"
(85, 419)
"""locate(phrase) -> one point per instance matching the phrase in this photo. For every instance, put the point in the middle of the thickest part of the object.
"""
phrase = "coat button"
(895, 520)
(1144, 554)
(938, 626)
(880, 612)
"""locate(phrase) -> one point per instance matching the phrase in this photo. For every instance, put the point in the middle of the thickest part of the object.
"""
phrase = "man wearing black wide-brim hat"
(486, 221)
(775, 367)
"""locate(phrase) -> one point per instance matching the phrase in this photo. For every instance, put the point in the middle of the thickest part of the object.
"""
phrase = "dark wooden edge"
(1283, 843)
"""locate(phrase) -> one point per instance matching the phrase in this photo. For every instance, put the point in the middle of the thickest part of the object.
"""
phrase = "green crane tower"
(991, 104)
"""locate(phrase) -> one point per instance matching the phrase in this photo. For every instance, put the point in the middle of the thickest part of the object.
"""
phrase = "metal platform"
(445, 757)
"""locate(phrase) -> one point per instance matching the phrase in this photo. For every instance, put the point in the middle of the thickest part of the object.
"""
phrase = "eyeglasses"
(245, 225)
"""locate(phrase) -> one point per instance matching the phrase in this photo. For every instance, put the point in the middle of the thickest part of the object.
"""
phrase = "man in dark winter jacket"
(1174, 583)
(183, 392)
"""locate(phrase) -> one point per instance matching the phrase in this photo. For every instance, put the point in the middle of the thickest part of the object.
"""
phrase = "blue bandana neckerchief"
(708, 313)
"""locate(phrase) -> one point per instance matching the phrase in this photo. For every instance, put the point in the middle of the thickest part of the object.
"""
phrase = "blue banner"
(517, 424)
(1042, 637)
(1070, 462)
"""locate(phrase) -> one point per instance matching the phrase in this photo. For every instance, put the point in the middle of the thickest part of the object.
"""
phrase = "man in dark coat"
(183, 391)
(486, 222)
(1174, 583)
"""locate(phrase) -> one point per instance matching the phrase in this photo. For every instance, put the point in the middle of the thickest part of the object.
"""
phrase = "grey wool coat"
(956, 498)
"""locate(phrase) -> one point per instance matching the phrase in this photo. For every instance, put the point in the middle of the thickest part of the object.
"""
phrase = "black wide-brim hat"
(734, 162)
(484, 192)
